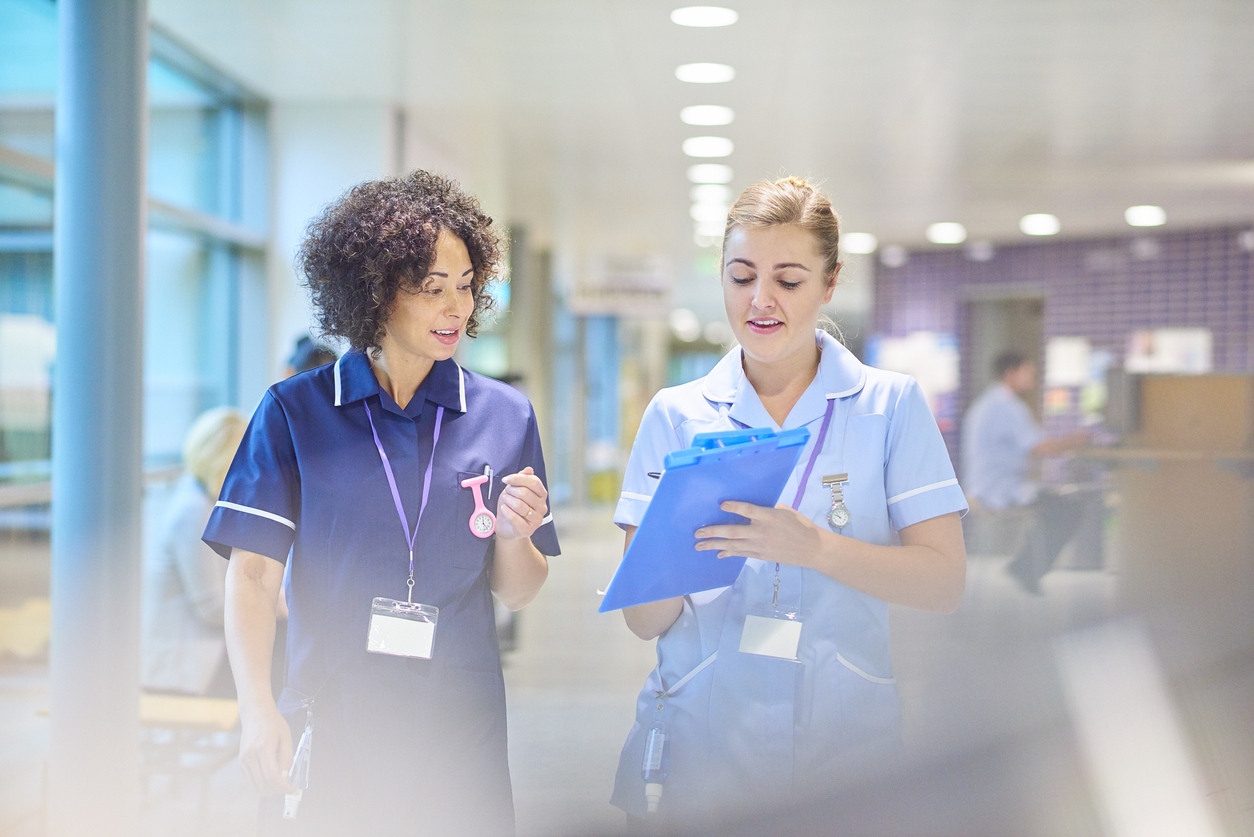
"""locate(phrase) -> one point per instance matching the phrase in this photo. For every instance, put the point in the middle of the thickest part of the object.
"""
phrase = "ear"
(831, 284)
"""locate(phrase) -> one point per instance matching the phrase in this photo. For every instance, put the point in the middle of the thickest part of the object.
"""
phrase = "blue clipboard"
(750, 465)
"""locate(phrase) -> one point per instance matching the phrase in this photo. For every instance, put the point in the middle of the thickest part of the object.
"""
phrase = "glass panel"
(187, 334)
(22, 207)
(190, 132)
(28, 75)
(27, 350)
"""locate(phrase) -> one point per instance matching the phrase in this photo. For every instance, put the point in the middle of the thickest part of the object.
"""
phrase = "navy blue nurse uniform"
(397, 741)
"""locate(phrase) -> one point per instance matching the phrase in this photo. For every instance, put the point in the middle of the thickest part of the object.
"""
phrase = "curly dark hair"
(379, 239)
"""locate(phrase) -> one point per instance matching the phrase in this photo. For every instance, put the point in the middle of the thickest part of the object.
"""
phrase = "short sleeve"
(545, 537)
(259, 506)
(655, 438)
(918, 476)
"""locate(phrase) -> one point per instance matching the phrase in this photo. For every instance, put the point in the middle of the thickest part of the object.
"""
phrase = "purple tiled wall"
(1102, 289)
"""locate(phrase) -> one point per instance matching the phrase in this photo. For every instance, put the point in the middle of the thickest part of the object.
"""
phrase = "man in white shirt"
(1000, 442)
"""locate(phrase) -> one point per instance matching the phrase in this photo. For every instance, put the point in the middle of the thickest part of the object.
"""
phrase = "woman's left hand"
(781, 534)
(522, 506)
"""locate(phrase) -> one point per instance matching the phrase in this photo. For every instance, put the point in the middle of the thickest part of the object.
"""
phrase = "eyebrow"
(445, 275)
(779, 266)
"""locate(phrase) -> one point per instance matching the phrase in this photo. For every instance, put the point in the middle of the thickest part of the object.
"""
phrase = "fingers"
(265, 756)
(744, 509)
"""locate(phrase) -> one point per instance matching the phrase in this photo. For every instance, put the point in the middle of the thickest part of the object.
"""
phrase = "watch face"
(839, 517)
(483, 523)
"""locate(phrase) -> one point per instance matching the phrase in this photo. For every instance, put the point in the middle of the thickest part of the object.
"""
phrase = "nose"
(763, 297)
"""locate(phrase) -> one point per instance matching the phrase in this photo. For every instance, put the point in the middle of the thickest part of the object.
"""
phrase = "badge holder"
(298, 773)
(402, 629)
(774, 629)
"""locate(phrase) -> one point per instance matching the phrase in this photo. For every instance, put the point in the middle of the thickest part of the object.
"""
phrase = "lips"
(447, 336)
(765, 325)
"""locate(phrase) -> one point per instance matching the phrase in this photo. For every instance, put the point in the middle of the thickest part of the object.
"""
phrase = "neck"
(400, 373)
(780, 384)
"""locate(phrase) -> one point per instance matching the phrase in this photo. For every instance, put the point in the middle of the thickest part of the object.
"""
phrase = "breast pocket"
(470, 551)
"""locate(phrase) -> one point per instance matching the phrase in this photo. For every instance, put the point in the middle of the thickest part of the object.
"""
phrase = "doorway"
(1001, 324)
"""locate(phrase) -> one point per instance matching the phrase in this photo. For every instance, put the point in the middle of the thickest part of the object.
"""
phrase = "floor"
(982, 676)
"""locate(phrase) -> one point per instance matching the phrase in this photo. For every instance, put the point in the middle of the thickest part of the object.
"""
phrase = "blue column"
(97, 477)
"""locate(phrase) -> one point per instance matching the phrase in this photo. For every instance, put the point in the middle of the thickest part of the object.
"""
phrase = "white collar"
(840, 375)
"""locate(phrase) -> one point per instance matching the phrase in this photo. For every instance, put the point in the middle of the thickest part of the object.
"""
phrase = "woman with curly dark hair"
(408, 492)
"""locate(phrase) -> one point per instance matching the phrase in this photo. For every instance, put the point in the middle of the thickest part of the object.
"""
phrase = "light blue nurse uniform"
(744, 728)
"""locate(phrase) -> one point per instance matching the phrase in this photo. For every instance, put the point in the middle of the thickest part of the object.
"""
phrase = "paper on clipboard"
(751, 466)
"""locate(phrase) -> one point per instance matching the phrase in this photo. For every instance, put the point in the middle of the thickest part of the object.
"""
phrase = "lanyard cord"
(396, 494)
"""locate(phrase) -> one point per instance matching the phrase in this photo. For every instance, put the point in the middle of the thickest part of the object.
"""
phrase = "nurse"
(869, 517)
(409, 492)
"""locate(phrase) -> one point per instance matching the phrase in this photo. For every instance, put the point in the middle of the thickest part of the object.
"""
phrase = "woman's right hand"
(265, 750)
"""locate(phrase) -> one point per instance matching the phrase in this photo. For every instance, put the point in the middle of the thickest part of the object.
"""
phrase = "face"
(429, 322)
(773, 287)
(1022, 378)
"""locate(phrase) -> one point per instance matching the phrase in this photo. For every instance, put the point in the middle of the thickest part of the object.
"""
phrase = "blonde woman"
(869, 517)
(184, 647)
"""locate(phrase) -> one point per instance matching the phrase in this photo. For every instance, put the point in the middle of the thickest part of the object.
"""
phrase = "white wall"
(318, 151)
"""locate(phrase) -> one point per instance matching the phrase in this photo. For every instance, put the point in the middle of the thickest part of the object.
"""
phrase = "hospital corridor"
(551, 418)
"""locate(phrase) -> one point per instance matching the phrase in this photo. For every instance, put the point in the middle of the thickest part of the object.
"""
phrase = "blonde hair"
(789, 200)
(210, 446)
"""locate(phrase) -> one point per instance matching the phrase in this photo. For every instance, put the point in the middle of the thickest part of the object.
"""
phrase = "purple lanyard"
(805, 476)
(814, 454)
(396, 495)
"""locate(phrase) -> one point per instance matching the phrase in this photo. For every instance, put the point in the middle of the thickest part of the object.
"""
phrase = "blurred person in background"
(1001, 442)
(308, 354)
(184, 648)
(380, 474)
(749, 725)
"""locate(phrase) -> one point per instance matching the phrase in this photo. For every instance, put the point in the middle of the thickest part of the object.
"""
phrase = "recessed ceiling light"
(704, 16)
(1040, 223)
(709, 173)
(707, 115)
(859, 243)
(708, 147)
(710, 193)
(894, 255)
(704, 73)
(709, 213)
(1145, 216)
(946, 232)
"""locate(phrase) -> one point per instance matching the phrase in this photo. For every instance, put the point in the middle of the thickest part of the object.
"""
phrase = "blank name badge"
(402, 629)
(771, 636)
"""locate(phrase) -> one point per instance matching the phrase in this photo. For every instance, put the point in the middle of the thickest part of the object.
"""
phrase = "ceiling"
(909, 111)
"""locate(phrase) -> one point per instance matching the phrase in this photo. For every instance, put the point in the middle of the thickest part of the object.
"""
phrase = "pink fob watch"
(482, 521)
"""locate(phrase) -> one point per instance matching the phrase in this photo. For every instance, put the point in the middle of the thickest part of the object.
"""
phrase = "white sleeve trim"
(548, 518)
(246, 510)
(905, 495)
(628, 495)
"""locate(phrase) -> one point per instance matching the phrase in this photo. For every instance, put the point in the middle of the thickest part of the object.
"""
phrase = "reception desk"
(1183, 544)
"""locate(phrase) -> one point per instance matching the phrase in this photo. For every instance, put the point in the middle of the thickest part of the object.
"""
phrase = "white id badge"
(402, 629)
(771, 636)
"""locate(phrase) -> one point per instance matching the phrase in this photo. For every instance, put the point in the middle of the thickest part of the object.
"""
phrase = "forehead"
(766, 246)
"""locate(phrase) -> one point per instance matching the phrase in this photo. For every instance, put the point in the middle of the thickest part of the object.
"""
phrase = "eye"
(789, 286)
(467, 288)
(742, 280)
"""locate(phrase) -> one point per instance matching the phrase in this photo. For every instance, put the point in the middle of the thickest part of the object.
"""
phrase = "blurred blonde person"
(184, 647)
